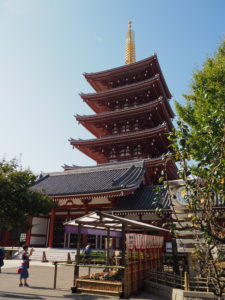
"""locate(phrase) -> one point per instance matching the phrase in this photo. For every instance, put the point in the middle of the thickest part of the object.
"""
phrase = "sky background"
(46, 46)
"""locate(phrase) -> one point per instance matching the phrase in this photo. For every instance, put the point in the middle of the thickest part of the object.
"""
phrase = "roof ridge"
(98, 168)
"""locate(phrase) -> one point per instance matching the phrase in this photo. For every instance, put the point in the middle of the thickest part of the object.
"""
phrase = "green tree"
(200, 137)
(17, 200)
(204, 110)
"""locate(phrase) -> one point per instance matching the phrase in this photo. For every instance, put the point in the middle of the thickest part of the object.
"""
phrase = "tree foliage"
(200, 137)
(204, 110)
(17, 199)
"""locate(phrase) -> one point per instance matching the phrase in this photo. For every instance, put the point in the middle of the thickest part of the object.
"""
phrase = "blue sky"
(46, 46)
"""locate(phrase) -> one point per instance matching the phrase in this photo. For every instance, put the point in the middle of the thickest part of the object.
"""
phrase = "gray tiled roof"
(144, 198)
(90, 180)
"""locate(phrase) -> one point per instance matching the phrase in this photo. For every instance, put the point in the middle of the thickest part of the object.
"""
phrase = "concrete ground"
(41, 284)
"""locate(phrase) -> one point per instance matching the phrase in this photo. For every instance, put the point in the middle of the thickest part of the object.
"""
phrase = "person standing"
(2, 256)
(87, 253)
(24, 274)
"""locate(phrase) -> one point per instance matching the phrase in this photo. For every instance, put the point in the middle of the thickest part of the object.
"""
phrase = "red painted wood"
(29, 231)
(51, 230)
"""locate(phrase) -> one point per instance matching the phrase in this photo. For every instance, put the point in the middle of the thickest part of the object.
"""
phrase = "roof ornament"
(130, 56)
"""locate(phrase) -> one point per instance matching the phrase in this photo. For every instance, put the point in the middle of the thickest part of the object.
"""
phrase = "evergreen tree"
(17, 199)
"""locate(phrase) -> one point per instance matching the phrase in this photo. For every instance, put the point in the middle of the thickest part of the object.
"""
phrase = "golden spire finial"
(130, 46)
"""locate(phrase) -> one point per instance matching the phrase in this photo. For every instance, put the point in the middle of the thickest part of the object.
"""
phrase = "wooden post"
(55, 274)
(107, 253)
(186, 281)
(123, 245)
(69, 261)
(76, 268)
(158, 257)
(51, 231)
(123, 262)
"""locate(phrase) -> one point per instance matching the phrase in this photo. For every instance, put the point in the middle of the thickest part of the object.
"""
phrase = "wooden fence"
(184, 282)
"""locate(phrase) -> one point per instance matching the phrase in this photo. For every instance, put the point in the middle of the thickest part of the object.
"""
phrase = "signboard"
(143, 241)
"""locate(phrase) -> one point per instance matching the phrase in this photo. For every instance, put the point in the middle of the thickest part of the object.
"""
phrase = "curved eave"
(116, 114)
(119, 137)
(164, 211)
(95, 78)
(122, 69)
(123, 90)
(95, 123)
(111, 193)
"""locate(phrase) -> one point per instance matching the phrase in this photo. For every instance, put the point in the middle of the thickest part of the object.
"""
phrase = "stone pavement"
(41, 284)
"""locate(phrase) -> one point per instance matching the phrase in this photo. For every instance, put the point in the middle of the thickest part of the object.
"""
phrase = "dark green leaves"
(17, 200)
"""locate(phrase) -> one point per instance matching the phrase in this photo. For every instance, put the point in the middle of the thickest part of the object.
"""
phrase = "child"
(25, 265)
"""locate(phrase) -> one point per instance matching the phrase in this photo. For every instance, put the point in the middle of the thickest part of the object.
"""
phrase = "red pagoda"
(133, 115)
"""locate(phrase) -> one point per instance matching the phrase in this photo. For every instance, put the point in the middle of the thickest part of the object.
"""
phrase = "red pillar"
(5, 238)
(29, 231)
(86, 212)
(51, 229)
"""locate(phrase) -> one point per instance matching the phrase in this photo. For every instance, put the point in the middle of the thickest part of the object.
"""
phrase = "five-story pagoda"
(131, 122)
(133, 115)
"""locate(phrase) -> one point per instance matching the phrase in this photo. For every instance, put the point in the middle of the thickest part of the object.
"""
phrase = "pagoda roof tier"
(97, 124)
(97, 181)
(94, 148)
(123, 75)
(153, 87)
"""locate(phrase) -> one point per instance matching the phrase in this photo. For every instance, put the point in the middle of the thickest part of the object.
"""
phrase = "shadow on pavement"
(11, 273)
(41, 288)
(43, 297)
(19, 296)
